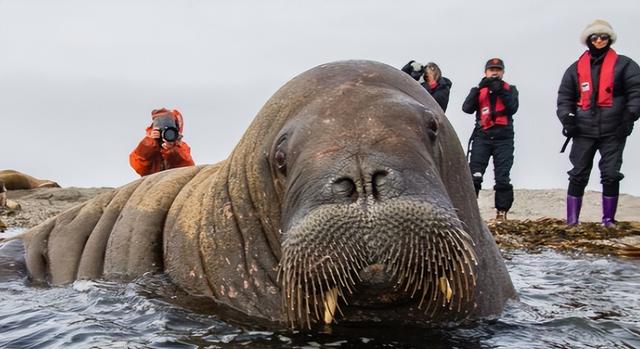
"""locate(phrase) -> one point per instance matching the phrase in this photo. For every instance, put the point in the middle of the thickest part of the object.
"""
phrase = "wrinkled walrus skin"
(347, 199)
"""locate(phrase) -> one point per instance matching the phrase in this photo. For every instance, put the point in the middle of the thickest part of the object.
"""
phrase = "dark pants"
(582, 152)
(502, 152)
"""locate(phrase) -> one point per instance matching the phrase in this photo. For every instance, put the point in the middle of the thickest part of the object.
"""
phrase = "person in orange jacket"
(162, 147)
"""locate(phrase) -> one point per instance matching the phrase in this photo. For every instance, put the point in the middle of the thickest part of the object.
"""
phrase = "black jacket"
(441, 92)
(602, 121)
(511, 103)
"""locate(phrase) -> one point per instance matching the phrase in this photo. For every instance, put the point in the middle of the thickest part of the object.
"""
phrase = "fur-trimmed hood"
(599, 26)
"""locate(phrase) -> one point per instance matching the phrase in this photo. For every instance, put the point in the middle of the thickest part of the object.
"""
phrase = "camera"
(169, 134)
(166, 124)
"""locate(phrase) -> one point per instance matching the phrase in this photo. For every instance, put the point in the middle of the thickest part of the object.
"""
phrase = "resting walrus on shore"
(14, 180)
(347, 199)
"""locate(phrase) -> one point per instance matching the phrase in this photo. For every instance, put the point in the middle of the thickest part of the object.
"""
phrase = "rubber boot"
(574, 204)
(609, 206)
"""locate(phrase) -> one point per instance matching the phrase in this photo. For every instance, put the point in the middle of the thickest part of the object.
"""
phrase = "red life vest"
(605, 85)
(486, 119)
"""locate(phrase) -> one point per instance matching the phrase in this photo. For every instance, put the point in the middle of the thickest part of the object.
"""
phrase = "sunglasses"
(603, 37)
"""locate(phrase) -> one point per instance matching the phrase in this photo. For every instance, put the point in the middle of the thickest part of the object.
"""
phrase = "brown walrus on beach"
(14, 180)
(347, 199)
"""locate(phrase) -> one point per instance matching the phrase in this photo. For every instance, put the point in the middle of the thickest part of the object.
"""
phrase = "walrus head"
(369, 230)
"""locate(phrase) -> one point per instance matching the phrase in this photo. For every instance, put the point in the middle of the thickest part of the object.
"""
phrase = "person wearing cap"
(494, 103)
(598, 102)
(415, 69)
(162, 147)
(437, 85)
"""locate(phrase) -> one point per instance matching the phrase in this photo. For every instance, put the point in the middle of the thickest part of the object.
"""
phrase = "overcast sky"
(78, 79)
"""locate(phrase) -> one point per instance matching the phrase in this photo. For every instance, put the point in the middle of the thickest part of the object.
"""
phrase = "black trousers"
(582, 152)
(502, 153)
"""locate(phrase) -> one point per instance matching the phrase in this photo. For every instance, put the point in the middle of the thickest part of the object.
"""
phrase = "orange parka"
(150, 157)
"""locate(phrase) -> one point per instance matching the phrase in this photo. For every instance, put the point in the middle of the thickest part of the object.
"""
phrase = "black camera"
(166, 124)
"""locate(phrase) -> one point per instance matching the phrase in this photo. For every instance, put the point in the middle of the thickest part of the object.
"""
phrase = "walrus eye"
(432, 128)
(280, 156)
(281, 161)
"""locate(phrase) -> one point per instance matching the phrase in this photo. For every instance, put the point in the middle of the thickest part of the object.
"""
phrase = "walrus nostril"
(345, 187)
(378, 181)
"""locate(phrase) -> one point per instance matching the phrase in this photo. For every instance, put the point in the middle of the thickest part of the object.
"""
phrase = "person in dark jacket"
(494, 102)
(598, 102)
(436, 84)
(415, 69)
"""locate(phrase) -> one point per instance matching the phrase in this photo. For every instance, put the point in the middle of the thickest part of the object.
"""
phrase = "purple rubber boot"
(574, 204)
(609, 206)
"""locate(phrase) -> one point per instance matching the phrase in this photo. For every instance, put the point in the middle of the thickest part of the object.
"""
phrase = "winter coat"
(598, 121)
(149, 157)
(498, 132)
(441, 92)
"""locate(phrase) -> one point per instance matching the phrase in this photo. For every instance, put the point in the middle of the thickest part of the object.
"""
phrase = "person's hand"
(495, 85)
(484, 82)
(624, 130)
(569, 125)
(155, 134)
(168, 145)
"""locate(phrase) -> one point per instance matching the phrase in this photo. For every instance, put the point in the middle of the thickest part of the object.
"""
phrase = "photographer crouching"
(162, 147)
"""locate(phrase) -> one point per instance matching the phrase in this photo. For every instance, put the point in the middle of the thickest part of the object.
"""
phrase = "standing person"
(415, 69)
(598, 102)
(494, 102)
(162, 147)
(437, 85)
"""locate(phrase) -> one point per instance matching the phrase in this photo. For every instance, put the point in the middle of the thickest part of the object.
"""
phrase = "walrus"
(14, 180)
(347, 199)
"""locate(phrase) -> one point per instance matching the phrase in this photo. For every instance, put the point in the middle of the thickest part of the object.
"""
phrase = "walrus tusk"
(445, 288)
(330, 303)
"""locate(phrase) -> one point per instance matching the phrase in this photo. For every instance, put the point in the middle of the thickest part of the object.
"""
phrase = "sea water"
(566, 301)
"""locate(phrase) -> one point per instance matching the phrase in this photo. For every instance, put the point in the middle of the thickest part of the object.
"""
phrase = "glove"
(495, 85)
(484, 82)
(569, 125)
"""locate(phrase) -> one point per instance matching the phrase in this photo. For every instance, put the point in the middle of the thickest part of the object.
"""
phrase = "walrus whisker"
(418, 284)
(340, 294)
(413, 264)
(409, 262)
(326, 280)
(306, 292)
(315, 300)
(344, 275)
(330, 266)
(299, 295)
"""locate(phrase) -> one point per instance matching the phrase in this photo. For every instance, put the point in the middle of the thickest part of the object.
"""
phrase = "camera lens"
(170, 134)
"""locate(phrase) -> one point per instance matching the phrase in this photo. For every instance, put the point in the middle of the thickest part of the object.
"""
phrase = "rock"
(31, 207)
(13, 206)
